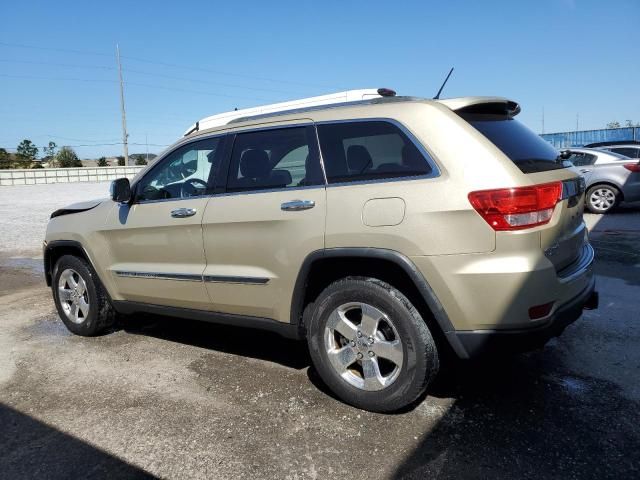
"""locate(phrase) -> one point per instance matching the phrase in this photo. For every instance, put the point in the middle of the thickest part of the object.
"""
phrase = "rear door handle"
(183, 212)
(297, 205)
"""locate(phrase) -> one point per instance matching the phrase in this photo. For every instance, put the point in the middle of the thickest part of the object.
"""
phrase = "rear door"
(156, 242)
(258, 233)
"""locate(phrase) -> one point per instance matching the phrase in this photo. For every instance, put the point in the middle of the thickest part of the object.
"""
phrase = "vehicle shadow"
(242, 341)
(31, 449)
(513, 418)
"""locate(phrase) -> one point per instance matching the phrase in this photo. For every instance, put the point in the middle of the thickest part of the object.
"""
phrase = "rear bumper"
(477, 342)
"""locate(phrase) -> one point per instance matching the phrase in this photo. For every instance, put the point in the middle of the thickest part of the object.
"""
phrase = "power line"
(168, 64)
(54, 64)
(145, 85)
(52, 49)
(140, 72)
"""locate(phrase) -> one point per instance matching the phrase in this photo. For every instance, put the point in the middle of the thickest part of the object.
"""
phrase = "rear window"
(526, 149)
(627, 151)
(369, 150)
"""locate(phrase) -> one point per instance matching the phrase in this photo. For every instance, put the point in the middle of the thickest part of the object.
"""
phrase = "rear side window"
(526, 149)
(627, 152)
(274, 158)
(582, 159)
(368, 150)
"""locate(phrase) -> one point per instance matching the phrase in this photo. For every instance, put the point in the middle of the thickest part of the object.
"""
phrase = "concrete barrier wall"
(65, 175)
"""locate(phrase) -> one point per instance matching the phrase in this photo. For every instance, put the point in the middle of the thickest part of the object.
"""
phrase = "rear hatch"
(563, 237)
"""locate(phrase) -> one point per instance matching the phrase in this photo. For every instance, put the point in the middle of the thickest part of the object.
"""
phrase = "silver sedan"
(611, 178)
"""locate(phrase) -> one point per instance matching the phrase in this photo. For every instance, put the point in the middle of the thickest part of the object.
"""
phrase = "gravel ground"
(25, 210)
(174, 399)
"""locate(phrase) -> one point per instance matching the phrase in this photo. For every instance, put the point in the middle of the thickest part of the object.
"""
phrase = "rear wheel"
(80, 299)
(602, 198)
(370, 345)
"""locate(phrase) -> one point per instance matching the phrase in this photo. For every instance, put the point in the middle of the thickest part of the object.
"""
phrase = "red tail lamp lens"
(633, 167)
(519, 207)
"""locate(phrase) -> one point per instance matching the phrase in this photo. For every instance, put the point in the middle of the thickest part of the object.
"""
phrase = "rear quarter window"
(523, 147)
(369, 150)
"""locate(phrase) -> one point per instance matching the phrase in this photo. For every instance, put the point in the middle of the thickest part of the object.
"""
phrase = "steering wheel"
(193, 187)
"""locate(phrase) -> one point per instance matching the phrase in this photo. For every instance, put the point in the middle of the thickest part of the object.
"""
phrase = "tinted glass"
(278, 158)
(354, 151)
(526, 149)
(627, 152)
(582, 159)
(183, 173)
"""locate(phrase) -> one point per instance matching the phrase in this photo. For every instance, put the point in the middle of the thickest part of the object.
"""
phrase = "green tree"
(67, 158)
(120, 161)
(613, 124)
(102, 162)
(139, 159)
(5, 159)
(629, 123)
(50, 153)
(27, 150)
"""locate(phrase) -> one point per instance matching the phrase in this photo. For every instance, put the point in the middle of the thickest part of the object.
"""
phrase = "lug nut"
(359, 356)
(353, 344)
(370, 340)
(371, 354)
(359, 333)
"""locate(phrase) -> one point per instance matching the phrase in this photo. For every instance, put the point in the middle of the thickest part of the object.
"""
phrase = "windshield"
(526, 149)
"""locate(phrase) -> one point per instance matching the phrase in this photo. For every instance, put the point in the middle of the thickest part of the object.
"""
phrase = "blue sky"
(186, 60)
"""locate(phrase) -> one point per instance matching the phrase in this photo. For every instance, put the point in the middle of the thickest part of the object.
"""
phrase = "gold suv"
(384, 232)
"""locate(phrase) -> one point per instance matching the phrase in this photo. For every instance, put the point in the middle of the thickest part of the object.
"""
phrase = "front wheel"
(602, 198)
(370, 345)
(80, 298)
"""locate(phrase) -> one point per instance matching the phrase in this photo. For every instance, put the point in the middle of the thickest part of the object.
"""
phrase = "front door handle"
(183, 212)
(585, 170)
(297, 205)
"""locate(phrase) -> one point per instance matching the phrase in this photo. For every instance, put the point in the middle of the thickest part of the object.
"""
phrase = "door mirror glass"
(120, 190)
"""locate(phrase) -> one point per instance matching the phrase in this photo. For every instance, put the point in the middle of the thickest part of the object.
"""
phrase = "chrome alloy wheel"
(363, 346)
(73, 296)
(602, 199)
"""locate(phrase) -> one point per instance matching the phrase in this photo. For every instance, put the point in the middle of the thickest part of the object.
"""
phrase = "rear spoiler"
(483, 105)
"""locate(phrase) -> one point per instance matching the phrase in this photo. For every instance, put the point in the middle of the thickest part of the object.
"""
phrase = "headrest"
(280, 178)
(254, 164)
(358, 158)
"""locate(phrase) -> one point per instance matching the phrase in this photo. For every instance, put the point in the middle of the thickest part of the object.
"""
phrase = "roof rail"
(333, 98)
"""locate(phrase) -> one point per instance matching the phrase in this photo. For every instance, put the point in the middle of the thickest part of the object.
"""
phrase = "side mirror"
(565, 154)
(120, 190)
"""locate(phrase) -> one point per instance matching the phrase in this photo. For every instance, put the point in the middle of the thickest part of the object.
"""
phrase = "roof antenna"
(437, 97)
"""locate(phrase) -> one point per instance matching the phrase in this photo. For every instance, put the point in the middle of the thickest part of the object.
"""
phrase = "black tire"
(595, 206)
(420, 362)
(101, 316)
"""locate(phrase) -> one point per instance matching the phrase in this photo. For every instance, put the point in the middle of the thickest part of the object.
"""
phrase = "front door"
(156, 247)
(257, 235)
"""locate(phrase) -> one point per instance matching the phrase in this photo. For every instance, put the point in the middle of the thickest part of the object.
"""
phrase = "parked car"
(611, 178)
(628, 149)
(384, 232)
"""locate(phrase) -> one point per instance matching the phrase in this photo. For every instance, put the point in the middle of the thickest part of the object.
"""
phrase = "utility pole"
(125, 135)
(146, 140)
(542, 119)
(577, 122)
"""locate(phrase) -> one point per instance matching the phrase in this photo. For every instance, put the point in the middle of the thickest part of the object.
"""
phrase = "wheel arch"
(56, 249)
(322, 267)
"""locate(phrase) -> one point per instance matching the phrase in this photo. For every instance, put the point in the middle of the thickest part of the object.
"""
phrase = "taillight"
(519, 207)
(632, 167)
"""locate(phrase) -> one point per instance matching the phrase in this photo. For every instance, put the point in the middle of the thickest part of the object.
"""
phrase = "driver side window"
(183, 173)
